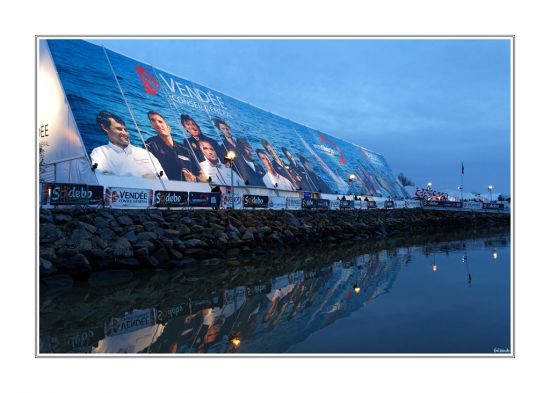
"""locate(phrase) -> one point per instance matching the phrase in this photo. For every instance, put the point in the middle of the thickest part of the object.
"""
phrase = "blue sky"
(426, 105)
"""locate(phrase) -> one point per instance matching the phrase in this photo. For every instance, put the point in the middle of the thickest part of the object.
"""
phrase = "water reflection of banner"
(136, 320)
(139, 198)
(204, 199)
(72, 194)
(170, 199)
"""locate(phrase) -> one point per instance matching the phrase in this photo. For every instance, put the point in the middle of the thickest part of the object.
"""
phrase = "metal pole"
(232, 190)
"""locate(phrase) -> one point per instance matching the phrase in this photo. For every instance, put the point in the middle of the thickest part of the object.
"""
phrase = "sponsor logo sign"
(323, 203)
(413, 203)
(117, 197)
(345, 204)
(255, 201)
(388, 204)
(399, 204)
(334, 204)
(453, 204)
(277, 203)
(150, 84)
(372, 205)
(237, 200)
(170, 198)
(308, 203)
(356, 204)
(472, 205)
(204, 199)
(72, 194)
(293, 203)
(493, 206)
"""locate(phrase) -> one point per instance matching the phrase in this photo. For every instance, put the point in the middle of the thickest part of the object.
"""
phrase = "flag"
(462, 167)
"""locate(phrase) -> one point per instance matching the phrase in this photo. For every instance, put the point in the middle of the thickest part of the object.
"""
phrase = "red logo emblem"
(324, 140)
(150, 84)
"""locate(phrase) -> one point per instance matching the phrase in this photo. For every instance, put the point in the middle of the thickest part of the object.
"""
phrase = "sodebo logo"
(150, 84)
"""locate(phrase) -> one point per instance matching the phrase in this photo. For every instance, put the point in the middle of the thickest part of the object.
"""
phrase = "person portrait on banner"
(248, 168)
(272, 178)
(176, 159)
(278, 164)
(315, 182)
(196, 136)
(297, 171)
(119, 157)
(217, 171)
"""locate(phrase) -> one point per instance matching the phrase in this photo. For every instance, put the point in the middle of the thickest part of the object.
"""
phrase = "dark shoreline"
(75, 243)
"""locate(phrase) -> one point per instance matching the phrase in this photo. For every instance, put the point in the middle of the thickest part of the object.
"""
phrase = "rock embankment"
(76, 243)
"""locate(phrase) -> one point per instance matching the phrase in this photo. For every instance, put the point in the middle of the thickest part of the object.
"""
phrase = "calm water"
(411, 296)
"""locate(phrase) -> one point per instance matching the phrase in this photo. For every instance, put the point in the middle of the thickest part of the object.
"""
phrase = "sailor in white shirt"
(119, 157)
(213, 168)
(272, 179)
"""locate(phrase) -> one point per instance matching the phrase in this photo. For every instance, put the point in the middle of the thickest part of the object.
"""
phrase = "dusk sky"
(426, 105)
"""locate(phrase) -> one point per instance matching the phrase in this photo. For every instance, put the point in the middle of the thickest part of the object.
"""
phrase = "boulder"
(122, 248)
(61, 218)
(195, 243)
(125, 220)
(49, 232)
(46, 268)
(76, 266)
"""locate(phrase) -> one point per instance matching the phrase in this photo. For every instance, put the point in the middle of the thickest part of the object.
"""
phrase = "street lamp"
(231, 157)
(429, 185)
(490, 188)
(351, 179)
(356, 288)
(494, 254)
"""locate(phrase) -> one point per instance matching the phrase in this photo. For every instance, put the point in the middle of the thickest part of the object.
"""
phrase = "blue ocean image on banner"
(299, 157)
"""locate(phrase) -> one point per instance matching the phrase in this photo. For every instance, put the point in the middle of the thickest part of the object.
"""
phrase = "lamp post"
(429, 185)
(351, 179)
(490, 188)
(231, 157)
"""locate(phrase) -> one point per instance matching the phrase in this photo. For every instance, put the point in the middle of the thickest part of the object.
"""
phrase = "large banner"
(124, 198)
(172, 128)
(72, 194)
(204, 199)
(170, 199)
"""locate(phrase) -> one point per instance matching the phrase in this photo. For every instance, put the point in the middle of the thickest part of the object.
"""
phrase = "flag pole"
(462, 184)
